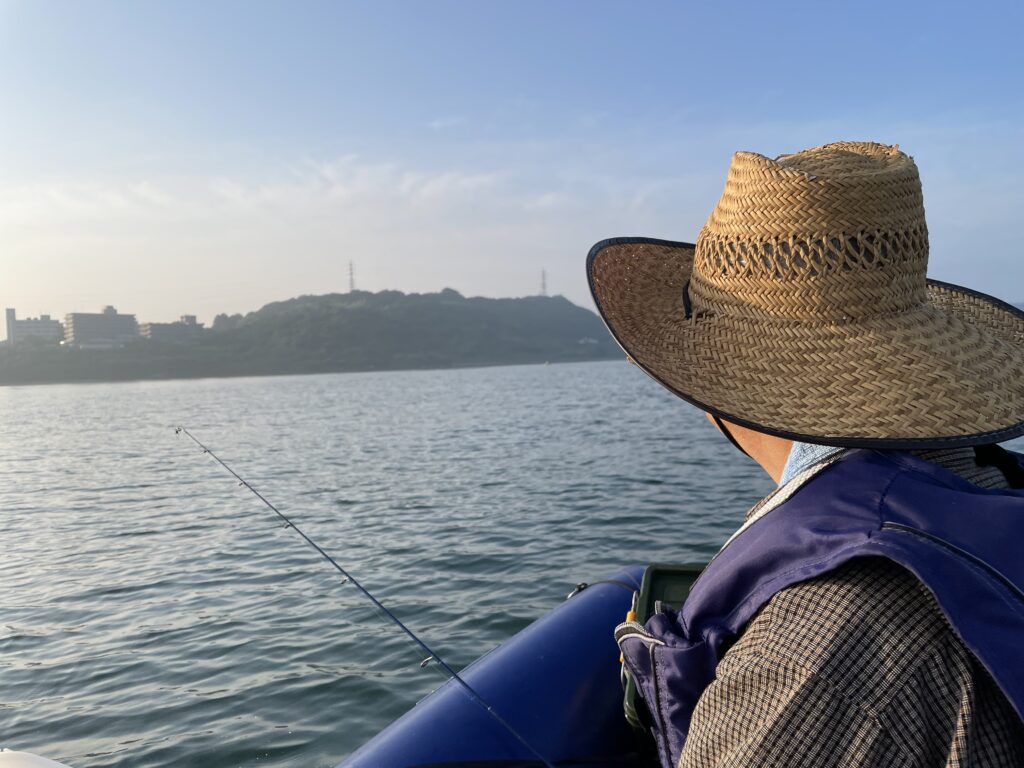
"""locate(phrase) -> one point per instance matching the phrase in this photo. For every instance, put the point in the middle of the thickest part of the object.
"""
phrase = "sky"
(184, 157)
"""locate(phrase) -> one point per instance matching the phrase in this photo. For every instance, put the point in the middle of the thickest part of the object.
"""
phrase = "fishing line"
(450, 673)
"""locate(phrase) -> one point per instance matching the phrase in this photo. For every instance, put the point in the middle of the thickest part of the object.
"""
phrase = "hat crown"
(832, 233)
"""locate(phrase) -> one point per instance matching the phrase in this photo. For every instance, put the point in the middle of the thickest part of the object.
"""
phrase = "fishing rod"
(450, 673)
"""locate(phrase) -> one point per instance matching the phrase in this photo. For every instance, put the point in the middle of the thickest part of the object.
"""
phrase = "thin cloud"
(342, 182)
(446, 123)
(550, 201)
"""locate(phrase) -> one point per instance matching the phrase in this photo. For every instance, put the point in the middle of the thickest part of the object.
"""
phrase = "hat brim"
(950, 373)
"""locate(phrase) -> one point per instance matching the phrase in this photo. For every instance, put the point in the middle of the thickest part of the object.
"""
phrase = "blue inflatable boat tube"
(556, 683)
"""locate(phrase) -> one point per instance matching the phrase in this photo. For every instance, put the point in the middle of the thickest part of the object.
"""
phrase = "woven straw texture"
(811, 314)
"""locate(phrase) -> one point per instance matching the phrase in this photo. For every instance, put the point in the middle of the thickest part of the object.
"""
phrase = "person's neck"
(767, 450)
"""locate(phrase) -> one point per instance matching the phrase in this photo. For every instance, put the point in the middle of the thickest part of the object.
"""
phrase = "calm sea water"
(154, 614)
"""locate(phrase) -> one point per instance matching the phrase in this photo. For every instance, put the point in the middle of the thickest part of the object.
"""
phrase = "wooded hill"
(358, 331)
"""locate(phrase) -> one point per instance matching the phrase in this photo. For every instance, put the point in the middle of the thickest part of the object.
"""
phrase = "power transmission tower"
(543, 283)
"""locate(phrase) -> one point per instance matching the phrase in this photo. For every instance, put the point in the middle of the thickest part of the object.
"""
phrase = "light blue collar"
(803, 456)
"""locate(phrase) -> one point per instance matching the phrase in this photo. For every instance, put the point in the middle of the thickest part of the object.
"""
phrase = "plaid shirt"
(858, 667)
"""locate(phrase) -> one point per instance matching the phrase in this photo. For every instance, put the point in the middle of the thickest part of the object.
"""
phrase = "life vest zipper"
(662, 729)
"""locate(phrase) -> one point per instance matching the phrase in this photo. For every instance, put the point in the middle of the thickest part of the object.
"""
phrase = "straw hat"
(803, 310)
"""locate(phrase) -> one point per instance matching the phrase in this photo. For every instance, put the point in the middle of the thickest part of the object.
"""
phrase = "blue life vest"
(962, 542)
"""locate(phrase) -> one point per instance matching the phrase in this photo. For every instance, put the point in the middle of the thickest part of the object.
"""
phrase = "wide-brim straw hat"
(804, 310)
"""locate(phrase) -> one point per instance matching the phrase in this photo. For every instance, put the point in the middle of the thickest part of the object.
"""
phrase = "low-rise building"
(185, 331)
(42, 327)
(104, 329)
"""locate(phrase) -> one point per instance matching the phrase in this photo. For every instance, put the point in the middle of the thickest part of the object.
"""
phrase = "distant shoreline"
(356, 332)
(202, 377)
